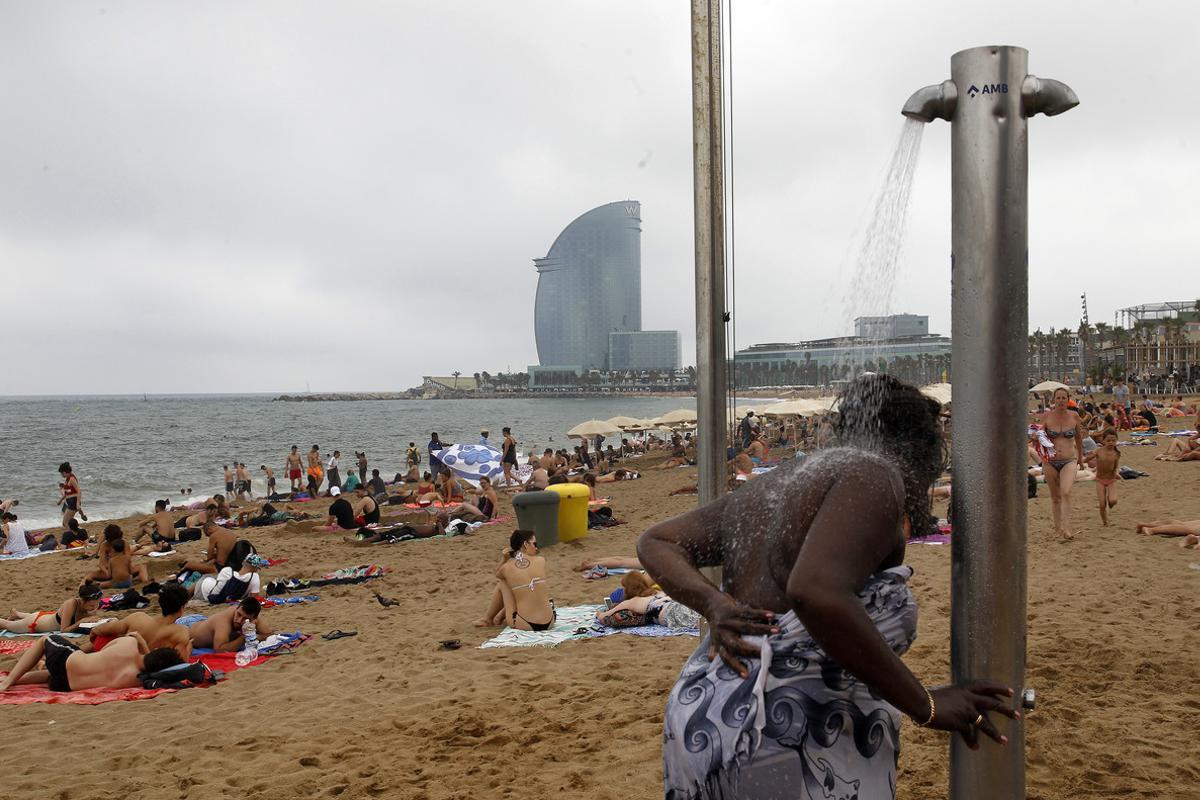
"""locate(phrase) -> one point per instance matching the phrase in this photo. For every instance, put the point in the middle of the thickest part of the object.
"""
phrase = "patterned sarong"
(803, 728)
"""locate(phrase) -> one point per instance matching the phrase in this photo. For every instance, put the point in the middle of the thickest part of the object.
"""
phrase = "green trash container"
(538, 512)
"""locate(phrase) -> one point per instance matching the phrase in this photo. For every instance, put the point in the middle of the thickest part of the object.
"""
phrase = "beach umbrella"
(641, 425)
(1049, 386)
(676, 417)
(624, 422)
(471, 461)
(593, 428)
(939, 392)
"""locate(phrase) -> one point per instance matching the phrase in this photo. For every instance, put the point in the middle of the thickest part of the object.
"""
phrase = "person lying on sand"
(619, 474)
(646, 604)
(223, 630)
(521, 599)
(69, 669)
(1181, 448)
(398, 533)
(220, 545)
(1189, 529)
(66, 619)
(160, 631)
(608, 562)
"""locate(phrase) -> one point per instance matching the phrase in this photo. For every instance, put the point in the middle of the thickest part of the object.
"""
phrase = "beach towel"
(10, 647)
(801, 722)
(272, 645)
(597, 572)
(27, 695)
(652, 631)
(567, 625)
(28, 554)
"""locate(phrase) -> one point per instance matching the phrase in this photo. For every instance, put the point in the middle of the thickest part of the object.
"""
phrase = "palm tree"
(456, 373)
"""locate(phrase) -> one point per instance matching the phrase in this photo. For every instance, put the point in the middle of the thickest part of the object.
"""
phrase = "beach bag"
(49, 542)
(237, 556)
(188, 535)
(180, 676)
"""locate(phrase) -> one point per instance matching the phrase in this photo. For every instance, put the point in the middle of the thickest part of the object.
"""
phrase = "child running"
(1107, 461)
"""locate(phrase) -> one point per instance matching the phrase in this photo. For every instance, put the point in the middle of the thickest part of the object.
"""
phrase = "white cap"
(334, 491)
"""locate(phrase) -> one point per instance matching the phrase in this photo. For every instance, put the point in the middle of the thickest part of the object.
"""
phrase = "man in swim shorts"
(223, 630)
(69, 669)
(158, 632)
(294, 469)
(228, 480)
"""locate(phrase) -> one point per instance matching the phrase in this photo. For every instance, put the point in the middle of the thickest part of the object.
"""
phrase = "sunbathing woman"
(398, 533)
(608, 562)
(73, 611)
(1065, 432)
(112, 533)
(521, 598)
(449, 489)
(1189, 529)
(646, 604)
(484, 508)
(620, 474)
(1181, 448)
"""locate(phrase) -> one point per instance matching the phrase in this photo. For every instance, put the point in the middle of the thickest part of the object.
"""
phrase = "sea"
(131, 450)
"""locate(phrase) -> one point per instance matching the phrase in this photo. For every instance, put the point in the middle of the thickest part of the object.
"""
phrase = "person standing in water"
(799, 683)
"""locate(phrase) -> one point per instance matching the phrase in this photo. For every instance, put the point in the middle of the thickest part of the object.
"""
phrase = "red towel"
(9, 647)
(24, 695)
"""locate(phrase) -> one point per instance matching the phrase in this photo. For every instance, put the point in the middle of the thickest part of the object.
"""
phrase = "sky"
(269, 196)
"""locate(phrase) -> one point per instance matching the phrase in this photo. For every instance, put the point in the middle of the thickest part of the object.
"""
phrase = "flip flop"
(450, 644)
(339, 634)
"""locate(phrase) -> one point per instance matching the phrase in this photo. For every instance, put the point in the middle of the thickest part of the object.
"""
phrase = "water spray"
(988, 101)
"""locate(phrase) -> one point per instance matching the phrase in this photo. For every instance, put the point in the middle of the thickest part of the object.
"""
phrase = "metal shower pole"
(708, 164)
(988, 100)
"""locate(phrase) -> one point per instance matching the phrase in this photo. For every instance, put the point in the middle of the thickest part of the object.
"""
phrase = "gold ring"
(979, 720)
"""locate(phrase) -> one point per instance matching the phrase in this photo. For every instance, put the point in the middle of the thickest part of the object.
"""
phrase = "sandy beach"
(1113, 638)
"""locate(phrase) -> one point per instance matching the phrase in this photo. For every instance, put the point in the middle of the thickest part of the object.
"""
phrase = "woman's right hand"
(965, 708)
(728, 621)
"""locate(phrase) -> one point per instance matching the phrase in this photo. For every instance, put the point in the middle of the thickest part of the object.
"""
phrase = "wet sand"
(1112, 652)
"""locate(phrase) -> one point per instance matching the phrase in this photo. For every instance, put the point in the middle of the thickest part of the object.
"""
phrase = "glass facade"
(589, 285)
(643, 350)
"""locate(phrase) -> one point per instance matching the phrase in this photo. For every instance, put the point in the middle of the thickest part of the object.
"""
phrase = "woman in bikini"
(521, 599)
(1065, 431)
(66, 619)
(70, 495)
(484, 508)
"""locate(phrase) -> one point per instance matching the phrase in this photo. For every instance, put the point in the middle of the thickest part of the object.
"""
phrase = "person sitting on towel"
(157, 525)
(450, 490)
(341, 514)
(521, 599)
(160, 631)
(368, 509)
(484, 507)
(69, 669)
(223, 630)
(220, 545)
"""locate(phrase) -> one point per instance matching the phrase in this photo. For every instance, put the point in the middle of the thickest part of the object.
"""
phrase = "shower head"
(932, 102)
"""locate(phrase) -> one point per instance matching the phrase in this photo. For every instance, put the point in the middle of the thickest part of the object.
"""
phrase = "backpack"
(180, 676)
(49, 542)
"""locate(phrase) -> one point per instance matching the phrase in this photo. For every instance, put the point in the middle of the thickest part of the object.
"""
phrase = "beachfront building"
(643, 350)
(589, 285)
(920, 359)
(893, 326)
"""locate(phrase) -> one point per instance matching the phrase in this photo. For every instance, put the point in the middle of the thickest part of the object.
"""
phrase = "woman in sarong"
(798, 689)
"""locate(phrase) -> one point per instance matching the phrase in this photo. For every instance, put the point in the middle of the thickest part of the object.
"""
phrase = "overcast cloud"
(254, 196)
